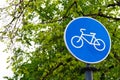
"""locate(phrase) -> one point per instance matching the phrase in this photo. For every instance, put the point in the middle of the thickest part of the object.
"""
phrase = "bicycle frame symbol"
(77, 41)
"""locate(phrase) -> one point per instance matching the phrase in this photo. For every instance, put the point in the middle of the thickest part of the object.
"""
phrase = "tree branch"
(52, 69)
(69, 8)
(114, 4)
(102, 15)
(56, 67)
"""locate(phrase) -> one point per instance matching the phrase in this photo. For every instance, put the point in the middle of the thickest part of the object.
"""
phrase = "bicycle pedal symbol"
(77, 41)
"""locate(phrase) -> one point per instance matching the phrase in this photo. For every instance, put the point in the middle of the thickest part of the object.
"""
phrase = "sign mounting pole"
(88, 73)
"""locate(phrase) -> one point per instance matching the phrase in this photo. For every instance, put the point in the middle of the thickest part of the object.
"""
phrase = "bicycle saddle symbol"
(77, 41)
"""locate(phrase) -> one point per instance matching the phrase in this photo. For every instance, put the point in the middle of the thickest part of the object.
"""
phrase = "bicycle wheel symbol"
(99, 45)
(77, 41)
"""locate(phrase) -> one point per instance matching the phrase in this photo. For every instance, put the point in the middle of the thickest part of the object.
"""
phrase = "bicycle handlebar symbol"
(77, 41)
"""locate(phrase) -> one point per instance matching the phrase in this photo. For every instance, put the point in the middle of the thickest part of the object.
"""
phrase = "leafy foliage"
(39, 52)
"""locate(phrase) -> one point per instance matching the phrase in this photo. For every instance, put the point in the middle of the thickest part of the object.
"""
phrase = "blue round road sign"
(87, 40)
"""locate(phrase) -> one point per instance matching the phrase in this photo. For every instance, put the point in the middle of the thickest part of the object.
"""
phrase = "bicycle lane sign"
(87, 40)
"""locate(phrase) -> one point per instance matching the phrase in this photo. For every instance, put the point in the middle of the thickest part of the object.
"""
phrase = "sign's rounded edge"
(71, 51)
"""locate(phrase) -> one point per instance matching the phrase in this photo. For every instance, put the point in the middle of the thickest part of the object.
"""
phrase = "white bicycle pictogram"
(77, 41)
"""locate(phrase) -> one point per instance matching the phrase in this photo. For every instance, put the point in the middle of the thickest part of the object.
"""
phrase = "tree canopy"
(35, 30)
